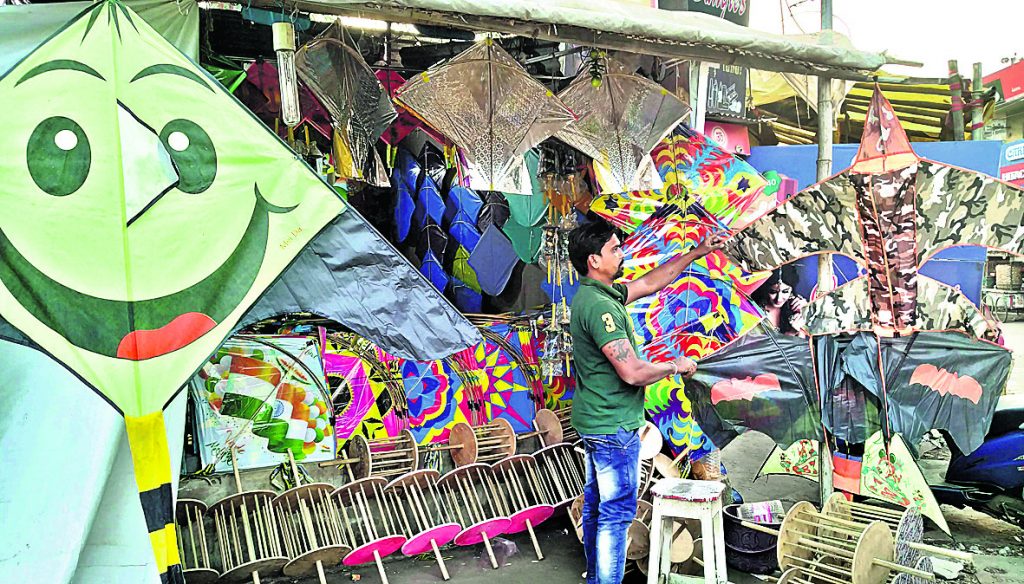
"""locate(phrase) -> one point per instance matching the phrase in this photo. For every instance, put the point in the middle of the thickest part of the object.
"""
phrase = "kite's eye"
(193, 153)
(58, 156)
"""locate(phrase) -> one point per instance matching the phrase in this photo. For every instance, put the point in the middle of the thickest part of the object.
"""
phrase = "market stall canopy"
(612, 25)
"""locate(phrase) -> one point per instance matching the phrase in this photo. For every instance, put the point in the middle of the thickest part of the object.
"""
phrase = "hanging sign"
(727, 91)
(735, 11)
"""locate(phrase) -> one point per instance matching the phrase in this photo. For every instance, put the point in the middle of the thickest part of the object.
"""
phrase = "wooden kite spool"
(555, 426)
(311, 527)
(386, 458)
(470, 495)
(192, 545)
(420, 510)
(907, 526)
(521, 496)
(247, 532)
(806, 541)
(367, 519)
(494, 441)
(576, 516)
(561, 473)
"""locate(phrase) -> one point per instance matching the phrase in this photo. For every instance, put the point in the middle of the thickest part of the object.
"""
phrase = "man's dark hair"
(587, 240)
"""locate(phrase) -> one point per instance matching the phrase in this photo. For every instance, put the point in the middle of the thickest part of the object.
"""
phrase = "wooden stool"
(192, 546)
(478, 513)
(368, 520)
(684, 499)
(521, 496)
(421, 512)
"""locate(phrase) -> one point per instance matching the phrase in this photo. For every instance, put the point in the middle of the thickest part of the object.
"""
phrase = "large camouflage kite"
(144, 211)
(890, 212)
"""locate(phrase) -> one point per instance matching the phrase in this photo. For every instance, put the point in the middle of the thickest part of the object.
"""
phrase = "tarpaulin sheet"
(687, 30)
(25, 27)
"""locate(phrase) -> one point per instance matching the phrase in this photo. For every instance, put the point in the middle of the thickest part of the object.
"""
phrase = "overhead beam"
(659, 47)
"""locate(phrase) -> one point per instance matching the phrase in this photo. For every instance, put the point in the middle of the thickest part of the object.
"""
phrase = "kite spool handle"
(938, 551)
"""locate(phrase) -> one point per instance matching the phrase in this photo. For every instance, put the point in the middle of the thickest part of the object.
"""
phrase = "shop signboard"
(732, 138)
(735, 11)
(727, 91)
(1009, 82)
(1011, 163)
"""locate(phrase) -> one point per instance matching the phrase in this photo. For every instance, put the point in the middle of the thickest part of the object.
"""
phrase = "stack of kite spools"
(493, 490)
(853, 543)
(370, 523)
(423, 514)
(311, 527)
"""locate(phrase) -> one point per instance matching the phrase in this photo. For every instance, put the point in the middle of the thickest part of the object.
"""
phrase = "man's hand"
(710, 244)
(686, 366)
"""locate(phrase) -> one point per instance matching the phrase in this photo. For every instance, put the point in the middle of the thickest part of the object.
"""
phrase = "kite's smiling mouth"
(145, 328)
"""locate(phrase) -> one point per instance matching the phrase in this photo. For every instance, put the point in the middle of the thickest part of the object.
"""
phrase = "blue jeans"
(609, 502)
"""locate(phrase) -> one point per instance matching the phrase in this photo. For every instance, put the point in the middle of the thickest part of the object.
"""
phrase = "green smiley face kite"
(143, 211)
(143, 208)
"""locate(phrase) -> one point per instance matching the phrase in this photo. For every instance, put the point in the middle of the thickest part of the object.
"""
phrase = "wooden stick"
(380, 567)
(825, 577)
(904, 569)
(440, 560)
(490, 552)
(760, 528)
(939, 551)
(533, 538)
(339, 462)
(828, 548)
(874, 508)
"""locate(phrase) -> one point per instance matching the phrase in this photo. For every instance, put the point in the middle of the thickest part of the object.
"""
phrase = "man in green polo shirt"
(608, 404)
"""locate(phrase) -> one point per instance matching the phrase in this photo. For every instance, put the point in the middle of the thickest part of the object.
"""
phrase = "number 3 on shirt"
(609, 324)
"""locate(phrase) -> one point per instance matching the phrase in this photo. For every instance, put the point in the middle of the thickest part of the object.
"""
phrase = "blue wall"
(958, 266)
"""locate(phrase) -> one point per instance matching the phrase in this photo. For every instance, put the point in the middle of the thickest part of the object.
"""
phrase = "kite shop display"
(421, 429)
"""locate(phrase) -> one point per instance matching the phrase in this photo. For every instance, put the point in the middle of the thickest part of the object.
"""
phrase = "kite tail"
(148, 440)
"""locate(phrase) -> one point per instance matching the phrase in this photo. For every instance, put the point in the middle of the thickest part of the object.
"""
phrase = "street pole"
(956, 109)
(977, 111)
(826, 123)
